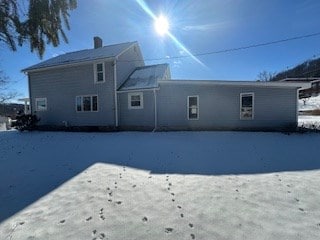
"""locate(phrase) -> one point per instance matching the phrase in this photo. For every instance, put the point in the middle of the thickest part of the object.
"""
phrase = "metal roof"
(146, 77)
(110, 51)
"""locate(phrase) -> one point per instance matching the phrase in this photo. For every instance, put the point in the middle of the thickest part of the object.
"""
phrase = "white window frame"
(91, 103)
(38, 100)
(246, 94)
(96, 72)
(188, 107)
(130, 100)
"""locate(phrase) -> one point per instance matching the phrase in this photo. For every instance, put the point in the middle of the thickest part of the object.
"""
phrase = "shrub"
(26, 122)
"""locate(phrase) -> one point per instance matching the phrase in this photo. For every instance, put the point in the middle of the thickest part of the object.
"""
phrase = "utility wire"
(233, 49)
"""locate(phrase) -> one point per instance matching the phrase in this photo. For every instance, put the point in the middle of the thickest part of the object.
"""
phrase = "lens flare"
(147, 10)
(161, 25)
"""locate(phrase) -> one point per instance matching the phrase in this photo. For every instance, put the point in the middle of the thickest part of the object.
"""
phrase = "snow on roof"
(145, 77)
(82, 56)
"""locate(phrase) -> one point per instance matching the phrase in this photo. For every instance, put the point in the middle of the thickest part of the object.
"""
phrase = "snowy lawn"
(311, 103)
(176, 185)
(309, 121)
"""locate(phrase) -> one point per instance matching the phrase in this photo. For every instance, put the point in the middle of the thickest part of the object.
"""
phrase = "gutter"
(27, 70)
(137, 90)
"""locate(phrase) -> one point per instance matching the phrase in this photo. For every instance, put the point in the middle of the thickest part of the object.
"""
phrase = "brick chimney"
(97, 42)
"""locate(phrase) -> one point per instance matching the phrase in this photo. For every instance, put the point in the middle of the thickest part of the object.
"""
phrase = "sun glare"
(161, 25)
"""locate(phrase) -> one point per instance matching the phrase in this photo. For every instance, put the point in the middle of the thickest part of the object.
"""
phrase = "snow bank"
(178, 185)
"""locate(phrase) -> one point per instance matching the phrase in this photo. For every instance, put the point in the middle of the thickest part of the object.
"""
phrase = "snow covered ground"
(176, 185)
(311, 103)
(309, 121)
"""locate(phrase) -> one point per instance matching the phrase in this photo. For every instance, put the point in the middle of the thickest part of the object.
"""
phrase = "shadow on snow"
(33, 164)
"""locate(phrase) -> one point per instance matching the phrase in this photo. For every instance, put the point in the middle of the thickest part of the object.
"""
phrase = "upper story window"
(87, 103)
(41, 104)
(193, 107)
(246, 106)
(135, 100)
(99, 72)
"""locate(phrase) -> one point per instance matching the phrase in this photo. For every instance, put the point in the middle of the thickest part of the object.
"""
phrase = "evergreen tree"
(42, 24)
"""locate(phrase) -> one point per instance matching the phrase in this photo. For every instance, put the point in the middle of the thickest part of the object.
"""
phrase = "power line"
(234, 49)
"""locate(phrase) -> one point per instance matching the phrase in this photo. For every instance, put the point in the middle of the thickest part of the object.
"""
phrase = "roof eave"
(27, 70)
(299, 85)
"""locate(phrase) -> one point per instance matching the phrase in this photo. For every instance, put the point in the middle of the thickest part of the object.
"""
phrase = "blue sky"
(201, 26)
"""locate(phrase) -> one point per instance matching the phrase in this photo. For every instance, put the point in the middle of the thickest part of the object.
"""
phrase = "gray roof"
(145, 77)
(82, 56)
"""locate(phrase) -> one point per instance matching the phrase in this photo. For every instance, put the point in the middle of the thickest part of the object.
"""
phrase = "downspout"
(155, 111)
(115, 92)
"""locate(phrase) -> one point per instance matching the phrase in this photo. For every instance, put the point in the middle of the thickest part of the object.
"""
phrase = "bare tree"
(5, 93)
(265, 76)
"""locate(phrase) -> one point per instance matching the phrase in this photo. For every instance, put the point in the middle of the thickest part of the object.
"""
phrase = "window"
(193, 107)
(99, 72)
(246, 106)
(87, 103)
(135, 100)
(41, 104)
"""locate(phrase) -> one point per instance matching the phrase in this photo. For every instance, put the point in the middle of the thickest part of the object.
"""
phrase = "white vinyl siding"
(247, 106)
(135, 100)
(41, 104)
(99, 72)
(88, 103)
(193, 107)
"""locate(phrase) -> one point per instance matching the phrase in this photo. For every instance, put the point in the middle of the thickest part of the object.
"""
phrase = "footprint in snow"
(172, 194)
(101, 214)
(101, 236)
(144, 219)
(62, 221)
(89, 181)
(172, 200)
(301, 209)
(190, 225)
(89, 218)
(21, 223)
(134, 186)
(168, 230)
(192, 236)
(118, 202)
(179, 207)
(297, 200)
(95, 237)
(181, 215)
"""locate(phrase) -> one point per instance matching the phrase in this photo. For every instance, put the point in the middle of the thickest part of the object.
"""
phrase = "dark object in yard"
(26, 122)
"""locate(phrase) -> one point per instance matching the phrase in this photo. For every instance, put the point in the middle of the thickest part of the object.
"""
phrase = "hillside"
(310, 68)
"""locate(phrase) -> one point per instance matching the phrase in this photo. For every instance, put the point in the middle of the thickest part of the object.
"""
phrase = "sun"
(161, 25)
